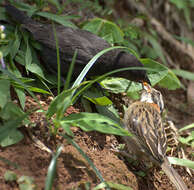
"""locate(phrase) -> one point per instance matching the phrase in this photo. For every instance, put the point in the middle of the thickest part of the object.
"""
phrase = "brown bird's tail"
(173, 175)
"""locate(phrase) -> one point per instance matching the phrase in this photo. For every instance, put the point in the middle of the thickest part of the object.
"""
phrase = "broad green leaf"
(36, 69)
(57, 18)
(102, 101)
(170, 81)
(156, 72)
(4, 92)
(160, 70)
(103, 28)
(185, 74)
(118, 85)
(96, 96)
(94, 122)
(181, 162)
(11, 111)
(110, 112)
(6, 129)
(14, 137)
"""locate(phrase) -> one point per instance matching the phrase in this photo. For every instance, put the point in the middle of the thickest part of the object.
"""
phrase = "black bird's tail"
(17, 15)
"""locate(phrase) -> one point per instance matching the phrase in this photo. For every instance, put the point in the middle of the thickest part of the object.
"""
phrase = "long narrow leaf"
(95, 122)
(181, 162)
(58, 60)
(51, 174)
(187, 127)
(70, 71)
(85, 157)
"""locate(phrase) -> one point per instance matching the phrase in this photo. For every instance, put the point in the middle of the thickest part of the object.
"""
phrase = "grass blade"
(181, 162)
(52, 169)
(98, 174)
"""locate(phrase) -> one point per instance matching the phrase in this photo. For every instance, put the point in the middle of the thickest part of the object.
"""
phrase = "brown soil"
(73, 171)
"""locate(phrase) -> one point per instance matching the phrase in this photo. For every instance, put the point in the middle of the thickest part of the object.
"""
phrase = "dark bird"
(149, 142)
(87, 44)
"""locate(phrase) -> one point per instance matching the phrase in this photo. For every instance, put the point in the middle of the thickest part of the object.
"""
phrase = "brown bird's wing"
(144, 121)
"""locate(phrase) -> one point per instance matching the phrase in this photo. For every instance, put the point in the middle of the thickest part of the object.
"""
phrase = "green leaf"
(59, 104)
(103, 28)
(185, 74)
(6, 129)
(181, 162)
(110, 112)
(36, 69)
(187, 127)
(170, 81)
(94, 122)
(112, 185)
(21, 96)
(156, 46)
(10, 176)
(160, 70)
(11, 111)
(4, 92)
(26, 183)
(16, 44)
(179, 4)
(57, 18)
(95, 96)
(28, 55)
(51, 174)
(183, 5)
(119, 85)
(156, 72)
(14, 137)
(187, 140)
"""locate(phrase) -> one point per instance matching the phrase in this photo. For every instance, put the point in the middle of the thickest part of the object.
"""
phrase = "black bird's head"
(124, 60)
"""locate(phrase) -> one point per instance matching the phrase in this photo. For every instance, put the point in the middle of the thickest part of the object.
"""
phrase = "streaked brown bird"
(149, 142)
(87, 44)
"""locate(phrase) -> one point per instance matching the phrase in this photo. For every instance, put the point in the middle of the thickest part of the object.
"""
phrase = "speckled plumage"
(149, 142)
(144, 121)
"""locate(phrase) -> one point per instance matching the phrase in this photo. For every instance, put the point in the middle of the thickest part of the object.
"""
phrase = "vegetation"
(22, 74)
